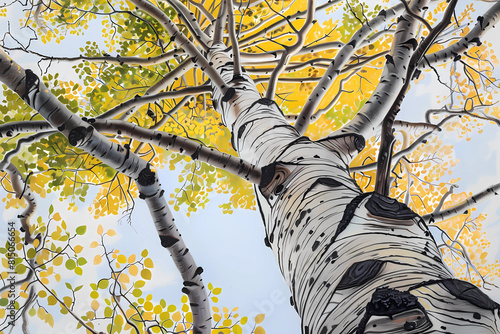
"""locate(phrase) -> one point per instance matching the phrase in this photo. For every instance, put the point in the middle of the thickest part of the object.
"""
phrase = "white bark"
(354, 262)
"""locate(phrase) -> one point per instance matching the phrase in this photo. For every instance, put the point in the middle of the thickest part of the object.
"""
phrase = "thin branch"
(466, 204)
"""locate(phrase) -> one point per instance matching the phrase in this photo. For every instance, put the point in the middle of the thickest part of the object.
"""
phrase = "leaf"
(80, 230)
(146, 274)
(103, 284)
(259, 330)
(51, 209)
(70, 264)
(20, 269)
(148, 263)
(31, 253)
(97, 259)
(111, 232)
(100, 229)
(259, 318)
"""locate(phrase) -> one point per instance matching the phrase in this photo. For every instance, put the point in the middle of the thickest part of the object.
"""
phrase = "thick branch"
(161, 139)
(338, 63)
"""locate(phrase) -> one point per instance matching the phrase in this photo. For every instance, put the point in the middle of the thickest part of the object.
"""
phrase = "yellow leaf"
(97, 259)
(176, 316)
(94, 305)
(148, 263)
(111, 232)
(259, 330)
(259, 318)
(94, 244)
(133, 270)
(100, 230)
(57, 216)
(146, 274)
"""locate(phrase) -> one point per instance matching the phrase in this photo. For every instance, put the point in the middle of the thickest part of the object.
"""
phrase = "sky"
(230, 248)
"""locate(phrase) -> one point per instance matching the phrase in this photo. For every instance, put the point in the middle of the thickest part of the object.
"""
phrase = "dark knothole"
(146, 177)
(387, 207)
(360, 273)
(79, 135)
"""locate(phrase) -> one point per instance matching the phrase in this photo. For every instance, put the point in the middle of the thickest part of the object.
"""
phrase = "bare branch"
(464, 205)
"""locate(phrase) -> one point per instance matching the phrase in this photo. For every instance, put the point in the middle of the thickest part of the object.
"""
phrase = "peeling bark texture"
(331, 240)
(79, 133)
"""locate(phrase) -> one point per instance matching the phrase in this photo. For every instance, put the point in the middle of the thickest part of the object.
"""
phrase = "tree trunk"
(354, 262)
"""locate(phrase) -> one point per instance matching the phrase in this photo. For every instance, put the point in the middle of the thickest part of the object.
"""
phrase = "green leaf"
(70, 264)
(20, 269)
(78, 288)
(51, 209)
(80, 230)
(4, 302)
(31, 253)
(103, 284)
(69, 286)
(81, 261)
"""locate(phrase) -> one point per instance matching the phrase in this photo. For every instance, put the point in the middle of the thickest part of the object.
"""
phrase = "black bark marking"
(196, 153)
(267, 175)
(198, 272)
(301, 217)
(189, 283)
(146, 177)
(273, 175)
(79, 135)
(360, 273)
(357, 139)
(469, 292)
(387, 207)
(348, 214)
(168, 240)
(266, 242)
(326, 181)
(31, 83)
(411, 42)
(229, 94)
